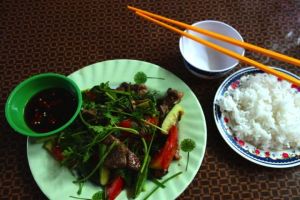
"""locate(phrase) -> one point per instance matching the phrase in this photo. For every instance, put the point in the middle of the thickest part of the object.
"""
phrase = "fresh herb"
(163, 182)
(98, 165)
(86, 144)
(187, 145)
(143, 173)
(141, 77)
(138, 118)
(80, 186)
(79, 198)
(97, 196)
(142, 176)
(156, 182)
(157, 127)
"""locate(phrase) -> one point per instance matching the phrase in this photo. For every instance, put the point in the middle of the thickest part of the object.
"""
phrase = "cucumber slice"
(104, 175)
(172, 118)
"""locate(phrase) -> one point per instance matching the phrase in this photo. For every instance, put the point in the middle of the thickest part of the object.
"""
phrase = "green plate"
(56, 182)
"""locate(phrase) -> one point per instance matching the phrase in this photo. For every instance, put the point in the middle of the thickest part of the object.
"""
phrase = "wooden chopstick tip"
(131, 8)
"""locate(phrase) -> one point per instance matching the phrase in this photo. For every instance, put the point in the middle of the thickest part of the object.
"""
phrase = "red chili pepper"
(57, 153)
(164, 157)
(152, 120)
(114, 189)
(126, 123)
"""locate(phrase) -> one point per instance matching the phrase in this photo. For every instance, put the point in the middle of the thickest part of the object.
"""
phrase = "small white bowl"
(205, 62)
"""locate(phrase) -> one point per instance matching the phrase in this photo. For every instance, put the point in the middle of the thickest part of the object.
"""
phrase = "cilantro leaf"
(113, 119)
(98, 196)
(140, 77)
(187, 145)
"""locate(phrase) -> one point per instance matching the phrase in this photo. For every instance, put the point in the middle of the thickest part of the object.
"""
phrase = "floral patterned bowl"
(274, 159)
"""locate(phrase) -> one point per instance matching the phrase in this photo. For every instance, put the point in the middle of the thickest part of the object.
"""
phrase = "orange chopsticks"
(153, 18)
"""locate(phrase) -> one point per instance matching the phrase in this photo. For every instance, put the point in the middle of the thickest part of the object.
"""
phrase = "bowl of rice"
(258, 115)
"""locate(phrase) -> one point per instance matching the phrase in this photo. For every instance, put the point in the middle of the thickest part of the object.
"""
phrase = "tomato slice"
(57, 153)
(152, 120)
(126, 123)
(164, 157)
(115, 188)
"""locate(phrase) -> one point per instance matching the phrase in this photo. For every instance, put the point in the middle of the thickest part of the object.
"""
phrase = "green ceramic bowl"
(19, 97)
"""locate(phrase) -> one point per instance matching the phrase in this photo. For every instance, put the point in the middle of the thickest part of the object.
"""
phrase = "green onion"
(80, 188)
(163, 182)
(142, 176)
(130, 130)
(156, 182)
(157, 127)
(79, 198)
(98, 165)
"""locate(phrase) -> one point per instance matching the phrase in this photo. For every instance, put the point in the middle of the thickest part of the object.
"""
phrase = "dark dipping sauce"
(50, 109)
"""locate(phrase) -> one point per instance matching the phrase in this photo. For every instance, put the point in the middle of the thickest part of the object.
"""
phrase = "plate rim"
(204, 142)
(235, 147)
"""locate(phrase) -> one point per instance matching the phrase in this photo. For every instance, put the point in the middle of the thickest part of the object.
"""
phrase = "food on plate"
(118, 140)
(173, 115)
(263, 111)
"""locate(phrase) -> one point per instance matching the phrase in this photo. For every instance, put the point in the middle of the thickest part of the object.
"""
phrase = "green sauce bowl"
(20, 96)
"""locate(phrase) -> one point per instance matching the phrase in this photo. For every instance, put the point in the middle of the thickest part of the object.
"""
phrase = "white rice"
(264, 112)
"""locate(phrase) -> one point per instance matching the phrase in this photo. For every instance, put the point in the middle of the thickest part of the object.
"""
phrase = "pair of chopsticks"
(155, 19)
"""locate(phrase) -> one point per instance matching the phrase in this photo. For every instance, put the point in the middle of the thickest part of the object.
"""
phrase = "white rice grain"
(264, 112)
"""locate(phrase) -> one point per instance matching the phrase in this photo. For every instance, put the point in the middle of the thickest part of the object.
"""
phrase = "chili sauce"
(50, 109)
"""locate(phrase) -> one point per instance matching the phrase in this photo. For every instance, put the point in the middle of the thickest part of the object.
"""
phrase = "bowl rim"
(33, 78)
(213, 70)
(248, 156)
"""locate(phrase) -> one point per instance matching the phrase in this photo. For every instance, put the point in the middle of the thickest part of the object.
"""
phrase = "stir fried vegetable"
(163, 158)
(117, 140)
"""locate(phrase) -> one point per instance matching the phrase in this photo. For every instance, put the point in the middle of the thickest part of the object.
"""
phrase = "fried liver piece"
(120, 156)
